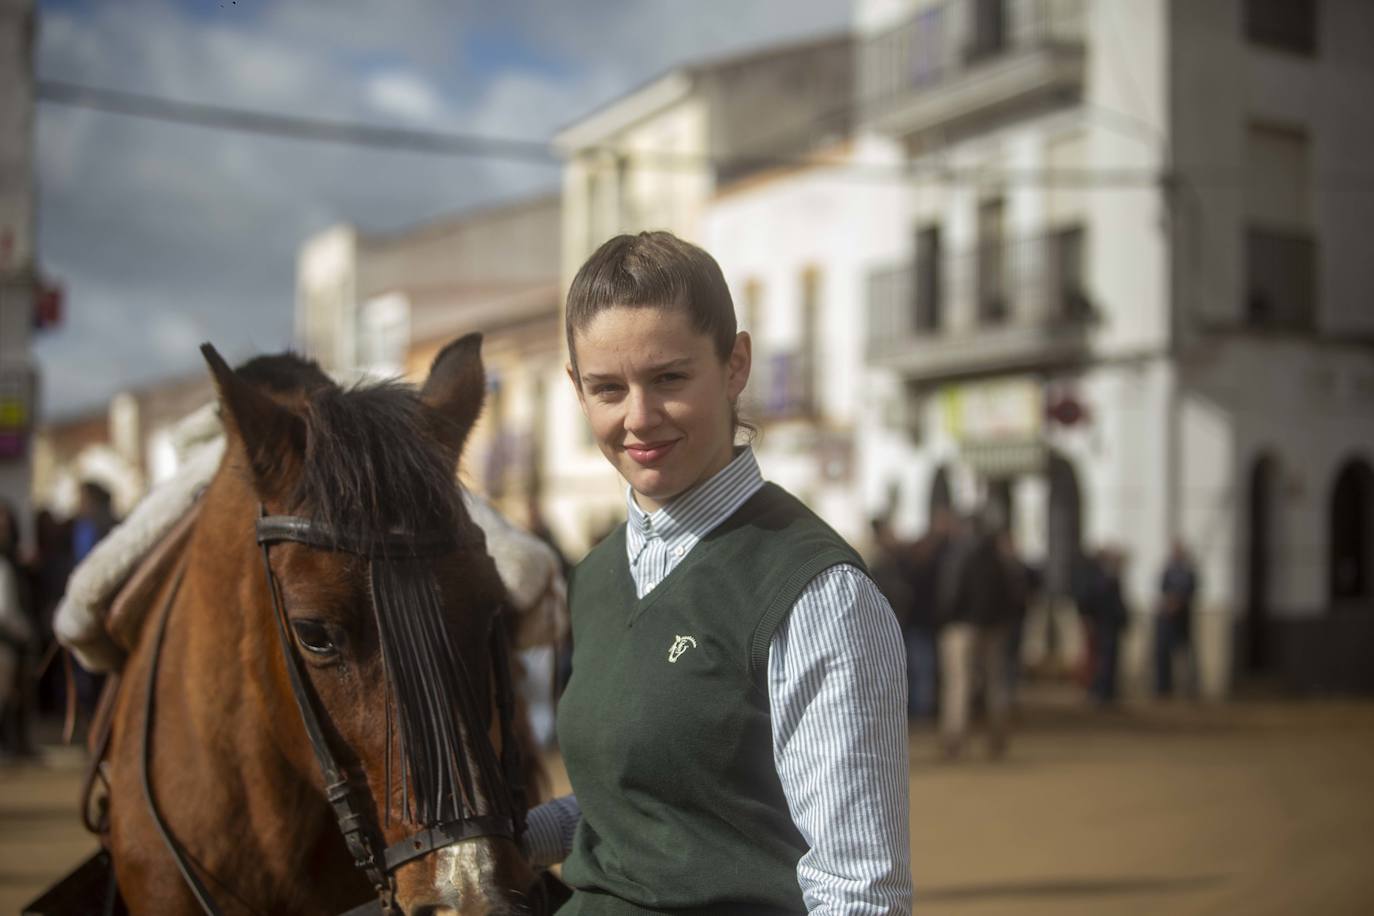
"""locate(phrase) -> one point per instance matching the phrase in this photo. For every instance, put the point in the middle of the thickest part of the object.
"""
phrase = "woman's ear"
(738, 365)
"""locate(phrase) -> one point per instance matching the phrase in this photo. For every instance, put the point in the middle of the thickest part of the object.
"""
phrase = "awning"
(1005, 459)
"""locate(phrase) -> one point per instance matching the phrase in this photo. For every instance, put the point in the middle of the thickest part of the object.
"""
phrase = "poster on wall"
(16, 412)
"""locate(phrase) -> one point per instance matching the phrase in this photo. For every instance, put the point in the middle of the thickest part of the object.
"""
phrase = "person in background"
(16, 642)
(1023, 584)
(1109, 623)
(94, 519)
(890, 568)
(922, 658)
(1178, 586)
(894, 571)
(955, 637)
(987, 594)
(49, 567)
(1086, 583)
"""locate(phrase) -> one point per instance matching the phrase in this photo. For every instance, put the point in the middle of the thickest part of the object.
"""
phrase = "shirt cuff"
(549, 830)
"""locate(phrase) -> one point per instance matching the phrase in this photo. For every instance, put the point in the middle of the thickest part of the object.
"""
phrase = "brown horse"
(390, 599)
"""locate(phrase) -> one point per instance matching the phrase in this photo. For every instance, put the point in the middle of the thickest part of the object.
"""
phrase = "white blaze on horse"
(312, 629)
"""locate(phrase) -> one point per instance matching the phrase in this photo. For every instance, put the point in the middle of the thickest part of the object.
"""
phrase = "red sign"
(47, 305)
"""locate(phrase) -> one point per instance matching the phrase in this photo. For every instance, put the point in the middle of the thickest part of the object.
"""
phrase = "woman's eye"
(603, 391)
(313, 636)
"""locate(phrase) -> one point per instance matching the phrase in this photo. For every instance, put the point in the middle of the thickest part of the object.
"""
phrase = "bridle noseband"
(350, 800)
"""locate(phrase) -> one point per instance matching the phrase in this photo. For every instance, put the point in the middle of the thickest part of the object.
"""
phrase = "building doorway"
(1064, 537)
(940, 497)
(1351, 544)
(1063, 640)
(1258, 656)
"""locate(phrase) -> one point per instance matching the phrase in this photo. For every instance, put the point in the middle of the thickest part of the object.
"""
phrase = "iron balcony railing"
(1034, 283)
(942, 43)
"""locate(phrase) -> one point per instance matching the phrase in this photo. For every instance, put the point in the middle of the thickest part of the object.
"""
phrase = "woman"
(734, 729)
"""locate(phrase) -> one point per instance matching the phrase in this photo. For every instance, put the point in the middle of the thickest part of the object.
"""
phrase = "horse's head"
(391, 603)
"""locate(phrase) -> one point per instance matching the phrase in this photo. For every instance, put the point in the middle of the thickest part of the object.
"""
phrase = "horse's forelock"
(372, 465)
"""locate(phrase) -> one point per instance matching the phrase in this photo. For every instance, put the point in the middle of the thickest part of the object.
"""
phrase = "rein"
(351, 801)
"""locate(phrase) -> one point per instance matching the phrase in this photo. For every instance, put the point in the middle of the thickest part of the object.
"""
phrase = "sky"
(167, 235)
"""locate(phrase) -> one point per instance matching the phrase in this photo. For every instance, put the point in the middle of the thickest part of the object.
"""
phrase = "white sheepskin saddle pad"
(528, 567)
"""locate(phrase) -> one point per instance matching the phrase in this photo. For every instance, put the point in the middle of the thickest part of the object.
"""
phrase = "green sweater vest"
(665, 727)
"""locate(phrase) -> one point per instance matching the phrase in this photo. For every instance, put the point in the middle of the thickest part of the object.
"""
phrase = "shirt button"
(679, 551)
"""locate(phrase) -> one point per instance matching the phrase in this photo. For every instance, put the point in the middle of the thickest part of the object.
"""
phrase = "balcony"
(967, 62)
(1019, 306)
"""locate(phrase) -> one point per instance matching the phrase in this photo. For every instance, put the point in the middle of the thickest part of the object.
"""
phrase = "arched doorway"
(1259, 538)
(1063, 639)
(940, 497)
(1351, 580)
(1064, 538)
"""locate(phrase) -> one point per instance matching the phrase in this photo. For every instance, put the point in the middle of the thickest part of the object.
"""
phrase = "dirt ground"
(1254, 808)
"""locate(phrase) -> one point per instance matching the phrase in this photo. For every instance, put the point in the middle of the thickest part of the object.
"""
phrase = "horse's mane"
(284, 373)
(371, 462)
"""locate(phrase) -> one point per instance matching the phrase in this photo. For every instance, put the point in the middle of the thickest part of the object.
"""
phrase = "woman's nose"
(642, 412)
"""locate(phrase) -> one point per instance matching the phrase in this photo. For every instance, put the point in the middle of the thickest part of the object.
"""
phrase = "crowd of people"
(33, 680)
(962, 592)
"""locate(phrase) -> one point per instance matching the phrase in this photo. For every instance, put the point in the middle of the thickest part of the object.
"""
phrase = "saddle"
(124, 620)
(134, 601)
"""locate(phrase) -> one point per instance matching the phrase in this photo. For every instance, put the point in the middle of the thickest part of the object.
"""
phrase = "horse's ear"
(455, 389)
(273, 438)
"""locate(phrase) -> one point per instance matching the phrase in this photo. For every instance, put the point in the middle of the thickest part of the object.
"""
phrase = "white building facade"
(386, 305)
(1133, 305)
(796, 247)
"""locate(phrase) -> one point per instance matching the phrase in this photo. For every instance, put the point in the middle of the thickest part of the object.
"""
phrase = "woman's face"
(658, 398)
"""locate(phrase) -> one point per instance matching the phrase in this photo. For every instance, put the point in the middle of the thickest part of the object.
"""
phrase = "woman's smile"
(650, 453)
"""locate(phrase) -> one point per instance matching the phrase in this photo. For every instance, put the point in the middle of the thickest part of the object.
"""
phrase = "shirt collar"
(698, 511)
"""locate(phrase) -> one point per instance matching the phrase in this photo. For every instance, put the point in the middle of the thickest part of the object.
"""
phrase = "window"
(991, 263)
(987, 28)
(1352, 540)
(1287, 25)
(494, 460)
(1279, 246)
(1068, 295)
(1280, 280)
(385, 334)
(809, 357)
(595, 234)
(784, 385)
(929, 285)
(751, 302)
(925, 54)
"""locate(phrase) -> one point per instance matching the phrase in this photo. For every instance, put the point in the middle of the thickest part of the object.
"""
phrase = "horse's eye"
(314, 637)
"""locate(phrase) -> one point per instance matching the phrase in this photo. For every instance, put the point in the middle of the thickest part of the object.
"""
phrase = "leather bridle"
(347, 794)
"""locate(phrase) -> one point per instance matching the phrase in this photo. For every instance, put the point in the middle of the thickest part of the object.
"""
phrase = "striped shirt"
(837, 694)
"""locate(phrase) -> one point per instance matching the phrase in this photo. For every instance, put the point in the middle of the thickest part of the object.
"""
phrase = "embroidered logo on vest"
(680, 644)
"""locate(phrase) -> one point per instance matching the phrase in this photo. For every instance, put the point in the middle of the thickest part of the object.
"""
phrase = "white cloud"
(404, 95)
(141, 219)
